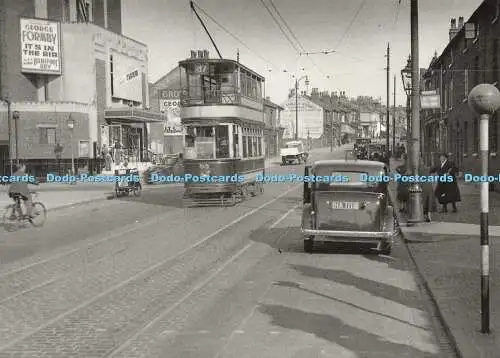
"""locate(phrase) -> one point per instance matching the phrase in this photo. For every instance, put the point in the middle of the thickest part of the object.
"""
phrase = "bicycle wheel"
(10, 218)
(39, 214)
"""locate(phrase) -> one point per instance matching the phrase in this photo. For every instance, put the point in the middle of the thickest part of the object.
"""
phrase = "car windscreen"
(331, 178)
(292, 145)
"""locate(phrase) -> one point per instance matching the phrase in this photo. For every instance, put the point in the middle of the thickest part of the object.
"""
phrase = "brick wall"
(29, 134)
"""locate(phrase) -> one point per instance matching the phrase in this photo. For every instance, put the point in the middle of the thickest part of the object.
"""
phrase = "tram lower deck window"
(222, 141)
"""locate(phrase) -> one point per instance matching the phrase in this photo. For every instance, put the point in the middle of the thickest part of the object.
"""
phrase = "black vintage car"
(351, 211)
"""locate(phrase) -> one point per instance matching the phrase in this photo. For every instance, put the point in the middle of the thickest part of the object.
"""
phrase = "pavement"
(446, 253)
(145, 277)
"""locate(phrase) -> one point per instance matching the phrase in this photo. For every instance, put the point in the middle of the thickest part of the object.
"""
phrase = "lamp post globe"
(484, 99)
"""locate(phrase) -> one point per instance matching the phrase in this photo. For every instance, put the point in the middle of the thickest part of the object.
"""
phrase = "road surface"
(144, 277)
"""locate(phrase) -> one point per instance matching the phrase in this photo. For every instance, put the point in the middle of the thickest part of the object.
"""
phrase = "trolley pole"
(484, 99)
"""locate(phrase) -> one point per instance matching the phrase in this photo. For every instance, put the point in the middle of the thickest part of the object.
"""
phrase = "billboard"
(170, 105)
(127, 78)
(310, 118)
(40, 46)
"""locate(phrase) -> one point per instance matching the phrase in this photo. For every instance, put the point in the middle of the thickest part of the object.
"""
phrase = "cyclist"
(21, 188)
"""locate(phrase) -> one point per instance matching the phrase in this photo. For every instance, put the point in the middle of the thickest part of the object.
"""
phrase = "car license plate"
(345, 205)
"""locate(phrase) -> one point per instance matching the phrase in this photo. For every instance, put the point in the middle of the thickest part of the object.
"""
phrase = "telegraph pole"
(387, 136)
(415, 200)
(394, 119)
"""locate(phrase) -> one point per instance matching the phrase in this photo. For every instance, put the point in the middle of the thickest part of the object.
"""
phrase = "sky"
(170, 29)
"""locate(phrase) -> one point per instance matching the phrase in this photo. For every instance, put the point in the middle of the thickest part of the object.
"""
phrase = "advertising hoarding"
(170, 105)
(40, 46)
(127, 78)
(310, 119)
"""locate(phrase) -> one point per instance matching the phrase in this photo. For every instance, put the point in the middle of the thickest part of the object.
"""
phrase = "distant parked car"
(171, 165)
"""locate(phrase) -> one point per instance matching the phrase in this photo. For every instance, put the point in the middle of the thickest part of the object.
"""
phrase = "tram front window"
(207, 142)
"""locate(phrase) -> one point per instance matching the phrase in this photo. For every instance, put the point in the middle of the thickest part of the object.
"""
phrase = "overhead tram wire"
(280, 27)
(234, 36)
(299, 49)
(344, 35)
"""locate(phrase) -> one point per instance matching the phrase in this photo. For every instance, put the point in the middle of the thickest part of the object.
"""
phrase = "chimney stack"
(453, 28)
(200, 54)
(460, 22)
(332, 94)
(193, 54)
(205, 53)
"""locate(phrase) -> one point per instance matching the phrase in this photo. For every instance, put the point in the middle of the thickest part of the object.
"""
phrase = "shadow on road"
(291, 240)
(160, 196)
(403, 296)
(334, 330)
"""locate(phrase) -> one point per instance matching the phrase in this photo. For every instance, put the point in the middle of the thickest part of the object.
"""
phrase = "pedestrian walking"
(429, 200)
(447, 192)
(402, 188)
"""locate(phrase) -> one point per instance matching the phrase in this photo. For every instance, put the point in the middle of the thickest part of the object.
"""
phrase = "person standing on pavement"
(402, 188)
(447, 192)
(429, 201)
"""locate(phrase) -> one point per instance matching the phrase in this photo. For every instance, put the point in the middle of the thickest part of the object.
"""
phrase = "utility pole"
(296, 108)
(415, 190)
(387, 135)
(394, 119)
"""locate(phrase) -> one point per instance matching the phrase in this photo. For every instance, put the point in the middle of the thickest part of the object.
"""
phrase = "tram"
(222, 113)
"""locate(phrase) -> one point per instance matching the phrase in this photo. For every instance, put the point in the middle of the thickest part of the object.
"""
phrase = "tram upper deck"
(220, 88)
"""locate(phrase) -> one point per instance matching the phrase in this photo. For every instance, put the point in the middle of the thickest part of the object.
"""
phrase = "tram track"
(69, 260)
(146, 268)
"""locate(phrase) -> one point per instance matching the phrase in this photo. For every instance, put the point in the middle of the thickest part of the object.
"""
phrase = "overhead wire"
(280, 27)
(346, 32)
(301, 48)
(234, 36)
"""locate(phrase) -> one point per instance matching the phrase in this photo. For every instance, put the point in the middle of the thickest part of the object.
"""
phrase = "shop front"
(129, 130)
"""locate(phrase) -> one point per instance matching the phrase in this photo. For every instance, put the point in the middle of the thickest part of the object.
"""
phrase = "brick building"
(74, 83)
(471, 57)
(273, 132)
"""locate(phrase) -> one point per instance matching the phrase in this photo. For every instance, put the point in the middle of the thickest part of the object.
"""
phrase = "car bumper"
(350, 236)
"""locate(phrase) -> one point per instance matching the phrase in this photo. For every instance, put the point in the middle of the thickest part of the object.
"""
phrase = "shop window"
(47, 136)
(194, 86)
(245, 146)
(222, 141)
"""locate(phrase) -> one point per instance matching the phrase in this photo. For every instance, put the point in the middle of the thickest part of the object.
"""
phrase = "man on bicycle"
(20, 188)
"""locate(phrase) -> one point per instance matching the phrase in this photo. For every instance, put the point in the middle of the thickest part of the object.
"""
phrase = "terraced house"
(470, 58)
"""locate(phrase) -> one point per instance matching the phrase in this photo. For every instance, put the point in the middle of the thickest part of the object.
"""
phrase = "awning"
(132, 115)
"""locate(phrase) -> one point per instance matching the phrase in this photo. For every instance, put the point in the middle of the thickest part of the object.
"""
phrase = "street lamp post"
(9, 119)
(297, 80)
(406, 78)
(484, 99)
(15, 116)
(71, 126)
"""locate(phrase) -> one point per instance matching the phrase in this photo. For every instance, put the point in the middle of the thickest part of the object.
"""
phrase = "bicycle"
(14, 213)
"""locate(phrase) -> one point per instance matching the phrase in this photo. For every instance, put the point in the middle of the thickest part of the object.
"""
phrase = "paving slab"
(446, 253)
